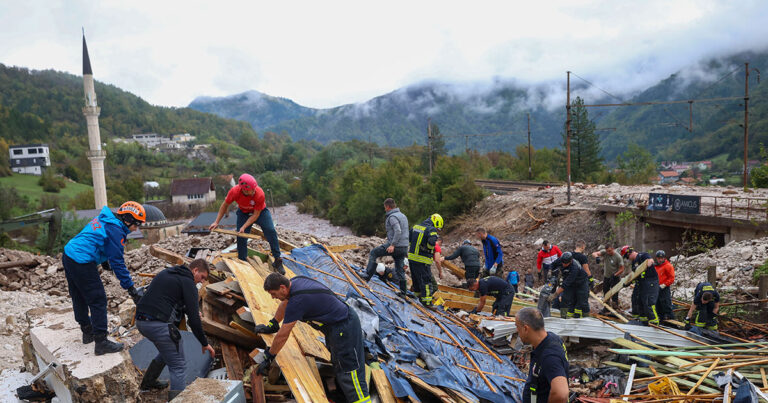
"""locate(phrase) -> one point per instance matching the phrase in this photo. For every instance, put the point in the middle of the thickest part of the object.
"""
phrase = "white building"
(193, 191)
(29, 158)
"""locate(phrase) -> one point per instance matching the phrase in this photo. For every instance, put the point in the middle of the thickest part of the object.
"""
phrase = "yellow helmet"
(437, 220)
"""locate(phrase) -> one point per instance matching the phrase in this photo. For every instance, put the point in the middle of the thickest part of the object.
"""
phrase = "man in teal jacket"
(101, 242)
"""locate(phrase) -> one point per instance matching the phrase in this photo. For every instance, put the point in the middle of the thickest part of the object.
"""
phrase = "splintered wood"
(295, 367)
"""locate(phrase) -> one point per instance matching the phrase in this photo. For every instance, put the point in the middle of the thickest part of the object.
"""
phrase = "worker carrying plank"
(101, 242)
(574, 287)
(252, 209)
(548, 372)
(613, 269)
(470, 256)
(706, 303)
(396, 224)
(646, 290)
(666, 273)
(307, 300)
(497, 288)
(171, 295)
(421, 252)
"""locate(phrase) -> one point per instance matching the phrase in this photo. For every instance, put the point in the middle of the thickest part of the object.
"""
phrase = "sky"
(327, 53)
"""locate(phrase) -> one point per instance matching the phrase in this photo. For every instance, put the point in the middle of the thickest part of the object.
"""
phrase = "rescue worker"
(101, 242)
(706, 302)
(613, 269)
(420, 257)
(513, 278)
(494, 257)
(171, 294)
(546, 256)
(387, 274)
(548, 371)
(579, 256)
(646, 290)
(574, 287)
(666, 277)
(396, 224)
(497, 288)
(252, 209)
(470, 256)
(307, 300)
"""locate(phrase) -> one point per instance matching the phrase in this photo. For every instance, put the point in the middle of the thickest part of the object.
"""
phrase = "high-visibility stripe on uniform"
(359, 390)
(415, 254)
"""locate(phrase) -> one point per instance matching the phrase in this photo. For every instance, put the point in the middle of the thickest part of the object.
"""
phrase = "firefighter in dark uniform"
(307, 300)
(548, 372)
(497, 288)
(420, 257)
(387, 274)
(574, 287)
(706, 302)
(646, 291)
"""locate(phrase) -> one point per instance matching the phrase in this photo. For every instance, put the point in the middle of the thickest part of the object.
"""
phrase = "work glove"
(551, 298)
(473, 311)
(598, 260)
(136, 294)
(493, 269)
(105, 266)
(264, 359)
(662, 286)
(269, 328)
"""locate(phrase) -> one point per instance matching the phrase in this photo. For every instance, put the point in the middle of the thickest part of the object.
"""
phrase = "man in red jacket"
(666, 278)
(547, 255)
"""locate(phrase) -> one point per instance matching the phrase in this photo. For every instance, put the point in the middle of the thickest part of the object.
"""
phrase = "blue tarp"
(401, 348)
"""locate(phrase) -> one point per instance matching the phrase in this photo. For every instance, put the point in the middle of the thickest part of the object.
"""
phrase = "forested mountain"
(400, 117)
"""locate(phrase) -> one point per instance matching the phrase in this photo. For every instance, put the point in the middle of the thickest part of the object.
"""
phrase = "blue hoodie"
(492, 251)
(102, 239)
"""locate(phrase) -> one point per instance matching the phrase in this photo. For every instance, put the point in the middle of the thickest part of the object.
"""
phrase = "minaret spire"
(91, 111)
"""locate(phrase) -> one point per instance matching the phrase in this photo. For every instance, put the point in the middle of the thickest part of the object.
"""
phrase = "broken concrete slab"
(53, 335)
(212, 390)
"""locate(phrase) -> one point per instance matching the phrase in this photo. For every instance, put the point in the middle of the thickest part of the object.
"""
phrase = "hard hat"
(437, 220)
(660, 253)
(467, 242)
(133, 209)
(247, 181)
(625, 250)
(567, 257)
(380, 269)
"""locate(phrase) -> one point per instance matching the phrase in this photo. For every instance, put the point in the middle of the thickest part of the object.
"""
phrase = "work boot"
(105, 346)
(150, 381)
(87, 334)
(172, 394)
(278, 265)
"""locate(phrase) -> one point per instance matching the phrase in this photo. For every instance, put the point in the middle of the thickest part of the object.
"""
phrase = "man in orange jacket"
(666, 278)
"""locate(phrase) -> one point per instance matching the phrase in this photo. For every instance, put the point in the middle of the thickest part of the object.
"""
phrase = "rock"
(126, 311)
(538, 242)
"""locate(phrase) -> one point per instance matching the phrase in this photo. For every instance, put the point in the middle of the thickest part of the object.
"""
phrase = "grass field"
(27, 185)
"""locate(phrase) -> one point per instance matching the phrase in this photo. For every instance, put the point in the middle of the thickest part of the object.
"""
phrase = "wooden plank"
(232, 361)
(456, 270)
(229, 334)
(17, 263)
(437, 392)
(454, 290)
(291, 360)
(342, 248)
(315, 371)
(257, 233)
(170, 257)
(703, 377)
(466, 306)
(608, 307)
(257, 387)
(624, 280)
(383, 387)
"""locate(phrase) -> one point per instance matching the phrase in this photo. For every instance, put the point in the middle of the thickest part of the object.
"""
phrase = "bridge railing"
(739, 207)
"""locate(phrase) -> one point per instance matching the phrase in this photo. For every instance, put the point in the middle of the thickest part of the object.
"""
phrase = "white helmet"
(380, 269)
(405, 263)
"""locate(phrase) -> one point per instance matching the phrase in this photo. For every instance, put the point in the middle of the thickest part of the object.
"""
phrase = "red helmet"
(624, 250)
(247, 181)
(135, 210)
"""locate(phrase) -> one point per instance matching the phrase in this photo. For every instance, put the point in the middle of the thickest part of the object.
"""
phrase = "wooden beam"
(437, 392)
(380, 381)
(456, 270)
(257, 387)
(17, 263)
(231, 361)
(608, 307)
(256, 233)
(170, 257)
(624, 280)
(228, 334)
(703, 377)
(342, 248)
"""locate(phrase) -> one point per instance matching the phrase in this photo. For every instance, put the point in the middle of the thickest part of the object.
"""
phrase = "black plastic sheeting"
(401, 348)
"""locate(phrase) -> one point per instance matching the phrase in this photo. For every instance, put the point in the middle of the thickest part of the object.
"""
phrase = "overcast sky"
(327, 53)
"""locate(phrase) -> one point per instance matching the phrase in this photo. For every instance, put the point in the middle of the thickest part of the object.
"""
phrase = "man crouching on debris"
(495, 287)
(575, 287)
(548, 371)
(307, 300)
(101, 242)
(706, 302)
(171, 294)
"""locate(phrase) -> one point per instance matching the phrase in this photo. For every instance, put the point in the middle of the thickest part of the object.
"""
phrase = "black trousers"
(544, 273)
(648, 294)
(423, 283)
(664, 304)
(471, 272)
(503, 304)
(575, 303)
(87, 293)
(345, 343)
(608, 283)
(705, 316)
(400, 253)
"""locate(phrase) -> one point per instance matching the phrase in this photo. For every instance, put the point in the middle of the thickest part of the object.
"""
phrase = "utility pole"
(690, 116)
(568, 133)
(530, 171)
(429, 144)
(466, 144)
(746, 120)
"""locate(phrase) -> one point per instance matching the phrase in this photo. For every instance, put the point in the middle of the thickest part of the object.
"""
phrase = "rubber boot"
(105, 346)
(278, 265)
(172, 394)
(150, 381)
(87, 334)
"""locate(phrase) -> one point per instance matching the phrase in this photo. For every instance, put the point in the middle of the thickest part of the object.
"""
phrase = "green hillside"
(26, 185)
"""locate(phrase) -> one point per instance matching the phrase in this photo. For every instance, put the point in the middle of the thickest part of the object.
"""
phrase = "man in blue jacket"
(101, 242)
(494, 258)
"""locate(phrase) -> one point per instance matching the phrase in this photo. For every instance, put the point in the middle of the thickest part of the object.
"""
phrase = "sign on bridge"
(674, 203)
